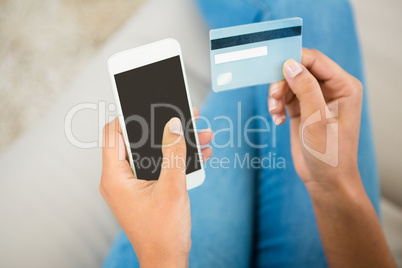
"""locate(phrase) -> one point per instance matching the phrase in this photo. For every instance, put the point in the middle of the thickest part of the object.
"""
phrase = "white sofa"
(52, 214)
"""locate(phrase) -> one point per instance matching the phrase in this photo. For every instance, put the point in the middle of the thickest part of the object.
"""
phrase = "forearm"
(349, 228)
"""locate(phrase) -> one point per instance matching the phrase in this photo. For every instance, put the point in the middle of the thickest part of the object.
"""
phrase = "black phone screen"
(150, 96)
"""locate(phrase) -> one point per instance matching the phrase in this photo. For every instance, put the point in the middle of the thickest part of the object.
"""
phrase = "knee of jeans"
(224, 13)
(310, 8)
(336, 7)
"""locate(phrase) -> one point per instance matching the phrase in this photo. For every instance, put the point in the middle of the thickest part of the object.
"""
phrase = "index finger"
(113, 147)
(196, 113)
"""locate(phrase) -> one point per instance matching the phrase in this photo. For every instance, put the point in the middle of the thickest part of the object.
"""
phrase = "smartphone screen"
(150, 96)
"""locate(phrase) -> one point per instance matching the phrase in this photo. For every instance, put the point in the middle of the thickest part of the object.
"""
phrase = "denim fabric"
(243, 216)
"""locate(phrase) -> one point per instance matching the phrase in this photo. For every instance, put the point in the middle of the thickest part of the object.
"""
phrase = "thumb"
(305, 86)
(174, 152)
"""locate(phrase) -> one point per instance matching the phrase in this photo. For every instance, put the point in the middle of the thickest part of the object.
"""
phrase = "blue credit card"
(253, 54)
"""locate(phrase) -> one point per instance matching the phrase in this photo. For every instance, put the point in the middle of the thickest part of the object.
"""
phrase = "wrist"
(343, 193)
(163, 259)
(336, 181)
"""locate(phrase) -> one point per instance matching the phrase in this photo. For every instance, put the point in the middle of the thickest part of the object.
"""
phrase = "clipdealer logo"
(331, 154)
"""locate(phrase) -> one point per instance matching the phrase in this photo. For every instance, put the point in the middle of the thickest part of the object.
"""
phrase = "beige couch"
(51, 212)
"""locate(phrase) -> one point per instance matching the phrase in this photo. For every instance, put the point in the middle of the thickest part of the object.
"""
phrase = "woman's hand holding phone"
(155, 215)
(324, 105)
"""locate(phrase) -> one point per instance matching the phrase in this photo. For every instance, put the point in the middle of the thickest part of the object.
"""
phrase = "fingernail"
(274, 88)
(292, 68)
(175, 126)
(278, 119)
(272, 104)
(210, 131)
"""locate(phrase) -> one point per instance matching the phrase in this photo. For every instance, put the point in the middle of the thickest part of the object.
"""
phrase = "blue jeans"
(263, 217)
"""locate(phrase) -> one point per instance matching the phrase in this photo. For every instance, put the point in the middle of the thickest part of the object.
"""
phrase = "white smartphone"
(150, 87)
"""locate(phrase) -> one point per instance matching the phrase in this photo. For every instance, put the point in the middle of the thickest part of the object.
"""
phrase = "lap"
(222, 208)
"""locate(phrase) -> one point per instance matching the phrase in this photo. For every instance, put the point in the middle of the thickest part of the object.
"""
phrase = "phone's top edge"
(145, 46)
